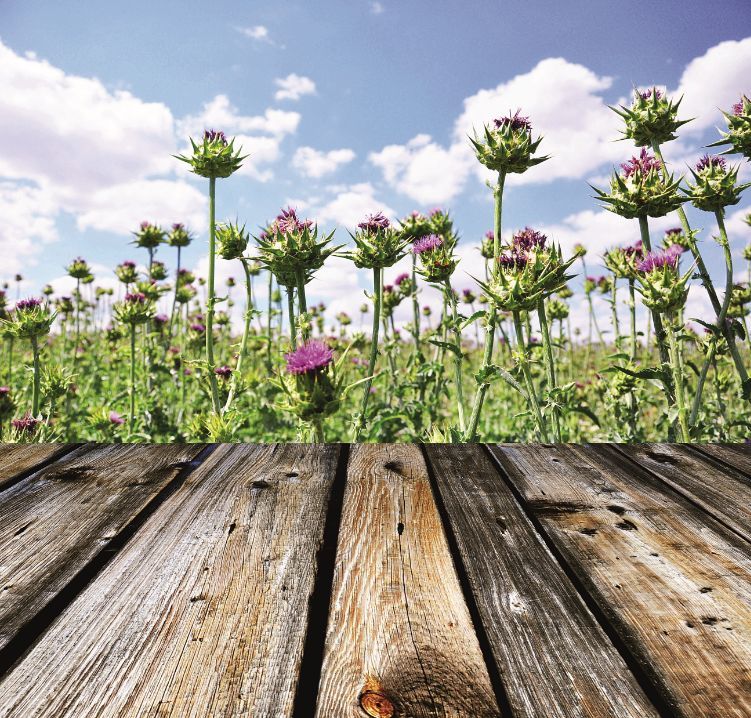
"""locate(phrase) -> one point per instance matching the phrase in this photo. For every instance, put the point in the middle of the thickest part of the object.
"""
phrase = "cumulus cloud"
(315, 163)
(255, 32)
(351, 204)
(293, 87)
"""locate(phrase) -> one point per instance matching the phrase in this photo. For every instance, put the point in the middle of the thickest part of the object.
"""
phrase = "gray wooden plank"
(400, 638)
(718, 489)
(672, 581)
(736, 455)
(58, 519)
(554, 657)
(204, 611)
(16, 459)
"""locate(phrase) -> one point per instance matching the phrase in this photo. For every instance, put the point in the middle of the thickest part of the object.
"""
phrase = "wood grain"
(57, 520)
(400, 639)
(555, 659)
(673, 582)
(723, 492)
(16, 459)
(204, 612)
(736, 455)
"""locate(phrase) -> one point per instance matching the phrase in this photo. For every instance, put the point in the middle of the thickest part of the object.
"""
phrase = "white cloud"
(351, 204)
(293, 87)
(376, 8)
(255, 32)
(314, 163)
(714, 81)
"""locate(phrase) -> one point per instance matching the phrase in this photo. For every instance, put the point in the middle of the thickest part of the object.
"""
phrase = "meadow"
(160, 359)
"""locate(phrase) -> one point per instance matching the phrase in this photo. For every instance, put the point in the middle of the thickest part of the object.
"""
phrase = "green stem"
(415, 305)
(237, 374)
(174, 300)
(549, 365)
(377, 301)
(268, 322)
(302, 305)
(632, 313)
(678, 382)
(614, 308)
(35, 390)
(523, 359)
(318, 429)
(291, 312)
(132, 377)
(458, 355)
(212, 299)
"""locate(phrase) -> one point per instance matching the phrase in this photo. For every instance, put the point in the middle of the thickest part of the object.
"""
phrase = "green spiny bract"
(652, 118)
(738, 135)
(622, 261)
(214, 157)
(661, 284)
(523, 279)
(642, 189)
(557, 310)
(508, 146)
(78, 269)
(414, 226)
(179, 236)
(31, 318)
(126, 272)
(149, 236)
(312, 389)
(715, 185)
(151, 289)
(436, 257)
(289, 247)
(232, 240)
(377, 244)
(740, 298)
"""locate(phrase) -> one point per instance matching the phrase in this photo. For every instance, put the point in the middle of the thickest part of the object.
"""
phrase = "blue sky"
(88, 121)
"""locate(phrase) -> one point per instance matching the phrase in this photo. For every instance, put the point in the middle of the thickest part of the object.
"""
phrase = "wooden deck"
(385, 580)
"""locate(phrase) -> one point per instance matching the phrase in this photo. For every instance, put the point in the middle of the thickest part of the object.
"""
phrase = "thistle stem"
(291, 312)
(268, 322)
(377, 301)
(302, 305)
(174, 300)
(458, 355)
(132, 421)
(212, 299)
(35, 390)
(523, 358)
(415, 304)
(678, 382)
(549, 365)
(237, 374)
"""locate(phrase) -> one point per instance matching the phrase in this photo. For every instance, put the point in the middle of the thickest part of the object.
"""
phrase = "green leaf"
(469, 320)
(446, 345)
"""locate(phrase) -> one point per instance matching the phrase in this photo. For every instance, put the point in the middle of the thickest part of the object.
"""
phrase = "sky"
(344, 107)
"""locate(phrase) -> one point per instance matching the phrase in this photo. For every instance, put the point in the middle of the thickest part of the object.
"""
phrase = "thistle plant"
(378, 245)
(136, 309)
(414, 227)
(31, 319)
(738, 136)
(652, 118)
(506, 147)
(79, 270)
(213, 158)
(179, 238)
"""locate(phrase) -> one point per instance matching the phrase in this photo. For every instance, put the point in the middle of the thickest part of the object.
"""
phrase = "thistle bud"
(437, 261)
(312, 389)
(377, 243)
(232, 240)
(214, 157)
(661, 284)
(149, 236)
(135, 309)
(31, 318)
(179, 236)
(414, 226)
(557, 310)
(78, 269)
(738, 135)
(622, 261)
(487, 245)
(126, 272)
(652, 118)
(641, 189)
(715, 184)
(507, 145)
(158, 271)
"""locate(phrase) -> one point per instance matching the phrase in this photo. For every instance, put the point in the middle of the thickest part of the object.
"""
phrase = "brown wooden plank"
(204, 611)
(55, 521)
(718, 489)
(735, 455)
(400, 638)
(673, 582)
(554, 657)
(16, 459)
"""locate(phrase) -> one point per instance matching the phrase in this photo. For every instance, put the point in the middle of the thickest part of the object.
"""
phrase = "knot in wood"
(376, 704)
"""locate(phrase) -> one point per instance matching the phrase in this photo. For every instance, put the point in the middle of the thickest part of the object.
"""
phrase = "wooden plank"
(736, 455)
(673, 583)
(400, 639)
(57, 520)
(204, 611)
(554, 657)
(718, 489)
(17, 459)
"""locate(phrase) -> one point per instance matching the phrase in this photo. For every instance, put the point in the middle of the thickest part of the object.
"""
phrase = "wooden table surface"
(595, 581)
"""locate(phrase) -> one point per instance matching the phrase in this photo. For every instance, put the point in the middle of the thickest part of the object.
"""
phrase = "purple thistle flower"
(517, 122)
(388, 288)
(161, 319)
(427, 243)
(145, 225)
(738, 108)
(116, 419)
(654, 261)
(634, 250)
(26, 304)
(199, 328)
(309, 358)
(710, 162)
(528, 238)
(178, 226)
(135, 298)
(402, 277)
(673, 231)
(512, 260)
(224, 372)
(646, 94)
(490, 234)
(214, 135)
(435, 211)
(287, 221)
(26, 425)
(374, 222)
(643, 164)
(4, 390)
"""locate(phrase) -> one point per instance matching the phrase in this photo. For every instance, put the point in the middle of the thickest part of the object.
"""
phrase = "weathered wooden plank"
(674, 583)
(204, 611)
(718, 489)
(400, 638)
(16, 459)
(554, 657)
(58, 519)
(736, 455)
